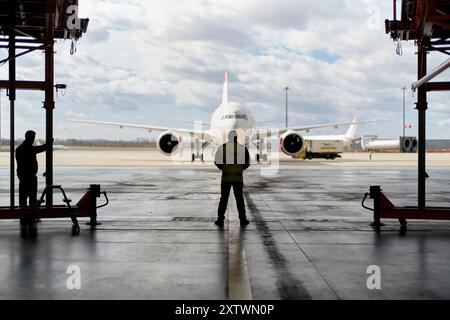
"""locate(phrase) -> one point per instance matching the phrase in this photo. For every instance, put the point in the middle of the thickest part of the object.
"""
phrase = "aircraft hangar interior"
(125, 125)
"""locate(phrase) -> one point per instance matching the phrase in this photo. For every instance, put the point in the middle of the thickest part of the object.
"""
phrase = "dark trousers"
(27, 190)
(238, 195)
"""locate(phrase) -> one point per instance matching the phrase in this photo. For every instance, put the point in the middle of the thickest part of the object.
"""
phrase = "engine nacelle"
(414, 144)
(408, 144)
(169, 143)
(291, 143)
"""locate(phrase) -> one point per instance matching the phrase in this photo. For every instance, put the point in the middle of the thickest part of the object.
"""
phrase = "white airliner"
(403, 144)
(232, 116)
(347, 138)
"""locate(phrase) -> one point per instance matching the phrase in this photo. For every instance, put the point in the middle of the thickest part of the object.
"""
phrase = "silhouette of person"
(232, 158)
(27, 168)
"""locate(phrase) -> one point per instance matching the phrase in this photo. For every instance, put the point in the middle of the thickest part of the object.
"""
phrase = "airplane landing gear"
(197, 147)
(197, 156)
(261, 157)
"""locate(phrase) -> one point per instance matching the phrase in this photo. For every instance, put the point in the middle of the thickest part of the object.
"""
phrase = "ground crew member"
(232, 158)
(27, 168)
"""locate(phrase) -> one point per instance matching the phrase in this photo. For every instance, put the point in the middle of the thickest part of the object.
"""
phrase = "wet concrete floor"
(309, 238)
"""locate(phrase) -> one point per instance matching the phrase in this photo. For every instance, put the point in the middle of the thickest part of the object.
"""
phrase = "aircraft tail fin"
(225, 89)
(351, 132)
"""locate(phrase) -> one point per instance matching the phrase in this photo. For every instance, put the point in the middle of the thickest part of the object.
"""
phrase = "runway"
(308, 238)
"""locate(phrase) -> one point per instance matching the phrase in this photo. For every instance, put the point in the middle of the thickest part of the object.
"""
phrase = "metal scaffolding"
(31, 25)
(427, 22)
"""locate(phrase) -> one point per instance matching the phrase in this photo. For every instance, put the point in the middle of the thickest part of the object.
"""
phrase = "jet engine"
(291, 143)
(414, 144)
(169, 143)
(408, 144)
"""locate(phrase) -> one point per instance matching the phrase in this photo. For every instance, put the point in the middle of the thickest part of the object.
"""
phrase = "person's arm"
(247, 159)
(41, 148)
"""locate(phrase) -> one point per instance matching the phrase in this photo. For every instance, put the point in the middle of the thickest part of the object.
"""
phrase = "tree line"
(137, 143)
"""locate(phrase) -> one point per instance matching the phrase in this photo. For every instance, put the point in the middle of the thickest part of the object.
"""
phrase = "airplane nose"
(234, 124)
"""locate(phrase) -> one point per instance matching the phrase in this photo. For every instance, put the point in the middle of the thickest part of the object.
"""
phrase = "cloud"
(97, 36)
(212, 31)
(156, 61)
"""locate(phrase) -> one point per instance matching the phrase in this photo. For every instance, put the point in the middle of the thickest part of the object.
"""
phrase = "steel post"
(12, 98)
(49, 103)
(421, 107)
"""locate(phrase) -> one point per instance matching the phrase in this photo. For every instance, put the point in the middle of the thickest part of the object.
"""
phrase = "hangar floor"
(308, 238)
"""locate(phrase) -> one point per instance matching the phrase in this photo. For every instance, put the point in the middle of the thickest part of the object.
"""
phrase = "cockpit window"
(235, 116)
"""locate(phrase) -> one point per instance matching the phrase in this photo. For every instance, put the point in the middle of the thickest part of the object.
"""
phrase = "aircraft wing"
(197, 133)
(193, 122)
(329, 125)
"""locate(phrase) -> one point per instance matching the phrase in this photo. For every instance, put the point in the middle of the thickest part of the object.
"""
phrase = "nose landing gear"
(197, 156)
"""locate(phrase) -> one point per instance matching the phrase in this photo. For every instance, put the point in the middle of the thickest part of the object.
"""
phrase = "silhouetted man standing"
(232, 158)
(27, 168)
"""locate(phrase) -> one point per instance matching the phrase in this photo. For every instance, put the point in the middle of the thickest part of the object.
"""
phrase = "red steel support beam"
(25, 85)
(27, 47)
(437, 86)
(434, 213)
(19, 40)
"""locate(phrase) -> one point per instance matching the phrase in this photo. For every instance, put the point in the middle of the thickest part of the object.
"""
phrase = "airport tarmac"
(308, 238)
(125, 157)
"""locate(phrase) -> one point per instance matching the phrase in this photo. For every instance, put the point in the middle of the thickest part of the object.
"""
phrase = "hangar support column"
(12, 99)
(49, 103)
(421, 107)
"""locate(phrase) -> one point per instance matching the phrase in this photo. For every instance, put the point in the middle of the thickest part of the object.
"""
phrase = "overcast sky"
(157, 62)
